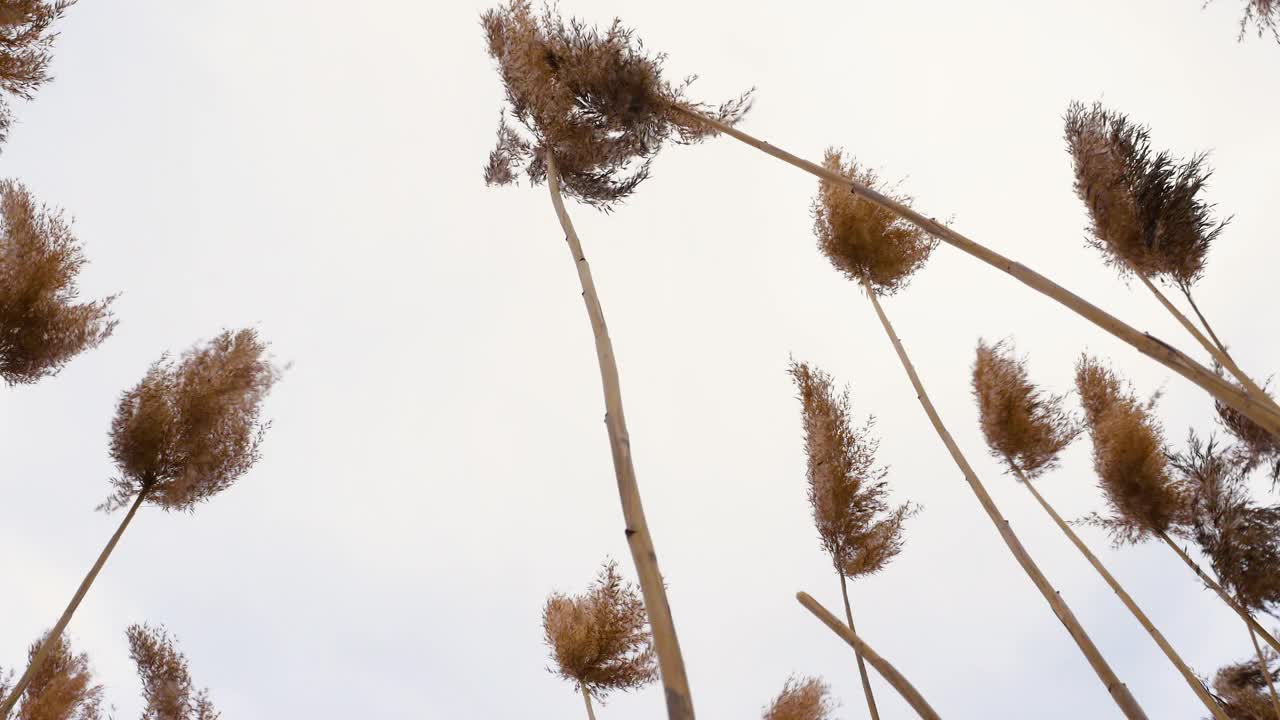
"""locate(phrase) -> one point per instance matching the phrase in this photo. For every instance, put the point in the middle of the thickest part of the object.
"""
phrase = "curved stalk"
(1261, 413)
(1262, 666)
(1226, 597)
(882, 666)
(862, 666)
(45, 647)
(652, 588)
(1196, 686)
(1119, 692)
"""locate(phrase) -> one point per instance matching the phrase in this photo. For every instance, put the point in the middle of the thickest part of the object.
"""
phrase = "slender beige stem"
(1266, 673)
(1119, 692)
(1204, 322)
(586, 698)
(1162, 352)
(1226, 597)
(666, 645)
(1214, 348)
(862, 666)
(1193, 681)
(882, 666)
(51, 639)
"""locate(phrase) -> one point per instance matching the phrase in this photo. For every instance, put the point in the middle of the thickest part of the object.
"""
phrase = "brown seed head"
(1242, 690)
(1240, 537)
(1265, 14)
(41, 325)
(863, 240)
(62, 689)
(595, 98)
(167, 687)
(1255, 446)
(190, 429)
(1023, 427)
(801, 699)
(1145, 207)
(1129, 457)
(847, 491)
(600, 640)
(26, 46)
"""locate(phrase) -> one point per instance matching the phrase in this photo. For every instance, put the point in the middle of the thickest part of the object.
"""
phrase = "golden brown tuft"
(597, 99)
(863, 240)
(190, 429)
(1145, 210)
(1255, 446)
(1129, 457)
(600, 640)
(1023, 427)
(62, 689)
(167, 687)
(1242, 690)
(25, 49)
(801, 699)
(41, 325)
(847, 491)
(1240, 537)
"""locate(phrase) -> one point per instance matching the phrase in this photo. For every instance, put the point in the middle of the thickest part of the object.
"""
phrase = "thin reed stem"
(1226, 597)
(882, 666)
(1209, 328)
(666, 645)
(1262, 665)
(1194, 682)
(586, 698)
(1162, 352)
(1119, 692)
(862, 666)
(52, 638)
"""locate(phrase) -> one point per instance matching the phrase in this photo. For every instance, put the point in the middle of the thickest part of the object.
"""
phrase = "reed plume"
(848, 492)
(600, 640)
(1027, 430)
(1242, 688)
(853, 239)
(1264, 15)
(595, 110)
(187, 431)
(26, 49)
(62, 690)
(1255, 446)
(41, 325)
(167, 687)
(801, 699)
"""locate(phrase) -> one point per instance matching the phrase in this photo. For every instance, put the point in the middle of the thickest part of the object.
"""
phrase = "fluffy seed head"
(190, 428)
(62, 689)
(801, 699)
(1129, 458)
(1145, 208)
(167, 687)
(594, 98)
(1264, 14)
(1242, 690)
(847, 490)
(26, 45)
(41, 325)
(1023, 427)
(861, 239)
(600, 640)
(1255, 446)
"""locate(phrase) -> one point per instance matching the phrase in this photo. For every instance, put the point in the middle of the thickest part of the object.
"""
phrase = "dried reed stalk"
(666, 644)
(1266, 672)
(1261, 413)
(1213, 585)
(882, 666)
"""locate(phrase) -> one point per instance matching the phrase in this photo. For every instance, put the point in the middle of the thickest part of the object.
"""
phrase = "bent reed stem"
(882, 666)
(45, 647)
(1147, 344)
(1194, 682)
(862, 666)
(652, 588)
(1118, 691)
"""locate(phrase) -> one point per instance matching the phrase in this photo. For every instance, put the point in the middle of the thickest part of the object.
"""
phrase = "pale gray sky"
(438, 463)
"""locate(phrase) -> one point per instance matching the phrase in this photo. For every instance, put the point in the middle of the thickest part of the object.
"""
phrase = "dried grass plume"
(847, 490)
(1264, 14)
(26, 46)
(1242, 690)
(63, 688)
(41, 325)
(600, 640)
(595, 98)
(1022, 426)
(191, 428)
(167, 687)
(801, 699)
(863, 240)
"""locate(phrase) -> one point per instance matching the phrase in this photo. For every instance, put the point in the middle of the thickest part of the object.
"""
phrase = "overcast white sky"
(437, 462)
